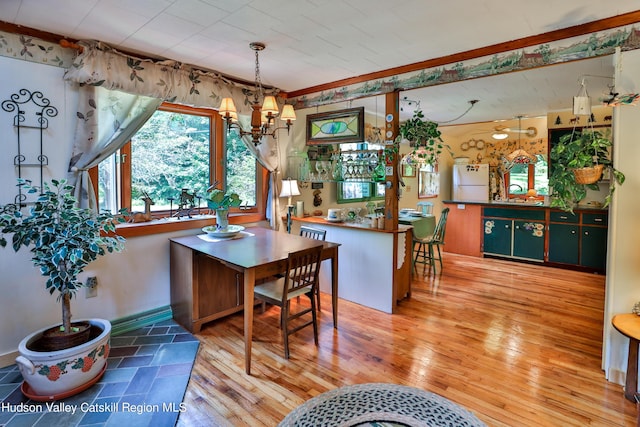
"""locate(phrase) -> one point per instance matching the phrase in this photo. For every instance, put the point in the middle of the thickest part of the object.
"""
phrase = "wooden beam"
(392, 120)
(551, 36)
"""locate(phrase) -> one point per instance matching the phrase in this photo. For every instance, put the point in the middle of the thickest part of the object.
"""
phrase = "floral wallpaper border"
(32, 49)
(566, 50)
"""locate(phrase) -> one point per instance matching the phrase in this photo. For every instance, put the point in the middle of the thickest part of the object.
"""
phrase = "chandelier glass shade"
(520, 155)
(263, 115)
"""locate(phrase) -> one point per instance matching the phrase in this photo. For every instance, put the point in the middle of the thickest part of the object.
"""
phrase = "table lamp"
(289, 188)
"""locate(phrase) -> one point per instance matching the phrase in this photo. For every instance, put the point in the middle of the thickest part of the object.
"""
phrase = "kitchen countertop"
(348, 224)
(529, 205)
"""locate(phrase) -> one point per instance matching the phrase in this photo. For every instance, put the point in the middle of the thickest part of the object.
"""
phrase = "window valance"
(172, 81)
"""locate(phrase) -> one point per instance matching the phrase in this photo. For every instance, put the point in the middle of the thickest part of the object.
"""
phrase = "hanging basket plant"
(578, 161)
(588, 175)
(424, 136)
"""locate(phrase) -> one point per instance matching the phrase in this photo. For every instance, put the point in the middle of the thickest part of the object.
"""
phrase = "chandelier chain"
(258, 80)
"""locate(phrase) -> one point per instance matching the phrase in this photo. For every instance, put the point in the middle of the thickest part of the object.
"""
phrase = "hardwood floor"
(517, 344)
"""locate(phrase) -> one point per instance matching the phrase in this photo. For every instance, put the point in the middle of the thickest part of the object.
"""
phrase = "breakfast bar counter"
(375, 265)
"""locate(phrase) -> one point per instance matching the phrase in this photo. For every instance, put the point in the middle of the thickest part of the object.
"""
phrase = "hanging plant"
(424, 136)
(389, 152)
(578, 160)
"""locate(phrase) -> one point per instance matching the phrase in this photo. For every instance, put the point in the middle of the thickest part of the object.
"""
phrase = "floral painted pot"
(56, 373)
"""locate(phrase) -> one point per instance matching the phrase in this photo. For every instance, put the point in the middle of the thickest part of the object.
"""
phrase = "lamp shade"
(582, 102)
(227, 107)
(581, 105)
(269, 105)
(288, 113)
(289, 188)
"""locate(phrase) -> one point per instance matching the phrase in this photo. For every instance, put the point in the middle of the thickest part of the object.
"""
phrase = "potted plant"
(220, 202)
(424, 137)
(578, 161)
(63, 240)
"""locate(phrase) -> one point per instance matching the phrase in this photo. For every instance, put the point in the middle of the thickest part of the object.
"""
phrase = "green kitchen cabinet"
(497, 236)
(564, 243)
(528, 240)
(578, 239)
(571, 240)
(516, 233)
(593, 247)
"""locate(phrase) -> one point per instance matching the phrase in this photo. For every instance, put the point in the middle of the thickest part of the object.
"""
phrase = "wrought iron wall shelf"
(39, 107)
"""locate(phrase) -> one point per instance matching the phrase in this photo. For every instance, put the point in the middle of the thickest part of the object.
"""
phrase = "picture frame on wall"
(408, 171)
(428, 182)
(336, 127)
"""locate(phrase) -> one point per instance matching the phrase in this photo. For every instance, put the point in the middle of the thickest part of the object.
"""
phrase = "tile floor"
(147, 374)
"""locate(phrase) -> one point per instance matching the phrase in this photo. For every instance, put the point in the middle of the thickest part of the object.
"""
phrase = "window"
(241, 171)
(523, 177)
(175, 154)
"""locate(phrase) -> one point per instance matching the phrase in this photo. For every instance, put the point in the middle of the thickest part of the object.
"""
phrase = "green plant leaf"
(578, 150)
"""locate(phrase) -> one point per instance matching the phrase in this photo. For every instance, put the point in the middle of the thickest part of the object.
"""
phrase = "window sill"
(167, 225)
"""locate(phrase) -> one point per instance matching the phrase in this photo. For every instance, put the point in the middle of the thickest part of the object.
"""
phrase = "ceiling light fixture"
(500, 135)
(263, 116)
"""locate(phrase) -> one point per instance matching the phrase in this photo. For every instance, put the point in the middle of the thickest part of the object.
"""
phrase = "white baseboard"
(617, 376)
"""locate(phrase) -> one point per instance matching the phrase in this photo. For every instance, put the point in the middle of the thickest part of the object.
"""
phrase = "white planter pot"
(57, 373)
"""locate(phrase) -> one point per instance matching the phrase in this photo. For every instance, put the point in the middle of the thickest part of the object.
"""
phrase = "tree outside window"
(176, 150)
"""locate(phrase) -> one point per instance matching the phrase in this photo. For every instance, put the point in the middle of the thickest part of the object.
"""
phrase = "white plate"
(334, 219)
(231, 231)
(415, 214)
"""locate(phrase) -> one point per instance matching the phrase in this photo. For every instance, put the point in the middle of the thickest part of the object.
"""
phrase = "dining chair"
(318, 234)
(312, 233)
(425, 208)
(427, 241)
(301, 279)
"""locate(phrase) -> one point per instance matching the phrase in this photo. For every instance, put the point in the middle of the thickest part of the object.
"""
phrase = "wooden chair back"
(312, 233)
(303, 269)
(438, 232)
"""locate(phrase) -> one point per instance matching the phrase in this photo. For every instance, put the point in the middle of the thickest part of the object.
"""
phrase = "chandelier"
(263, 116)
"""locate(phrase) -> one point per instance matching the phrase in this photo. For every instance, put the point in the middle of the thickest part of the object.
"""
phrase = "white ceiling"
(311, 42)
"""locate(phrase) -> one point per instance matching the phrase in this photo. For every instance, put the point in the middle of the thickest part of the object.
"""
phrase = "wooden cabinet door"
(463, 234)
(528, 240)
(497, 236)
(564, 243)
(219, 287)
(593, 247)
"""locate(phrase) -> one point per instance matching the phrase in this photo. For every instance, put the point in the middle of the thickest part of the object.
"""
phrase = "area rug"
(148, 370)
(380, 404)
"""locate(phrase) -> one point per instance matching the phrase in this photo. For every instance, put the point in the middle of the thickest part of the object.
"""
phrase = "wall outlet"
(91, 287)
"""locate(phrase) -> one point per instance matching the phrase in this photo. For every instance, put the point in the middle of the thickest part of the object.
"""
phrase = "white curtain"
(268, 155)
(106, 120)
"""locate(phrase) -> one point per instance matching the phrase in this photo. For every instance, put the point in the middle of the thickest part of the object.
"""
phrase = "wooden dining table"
(259, 253)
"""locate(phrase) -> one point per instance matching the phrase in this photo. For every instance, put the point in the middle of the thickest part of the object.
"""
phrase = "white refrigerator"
(471, 183)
